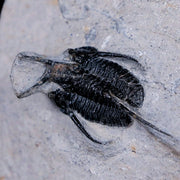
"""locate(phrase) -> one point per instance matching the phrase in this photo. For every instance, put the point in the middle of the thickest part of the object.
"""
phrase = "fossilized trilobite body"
(86, 82)
(128, 86)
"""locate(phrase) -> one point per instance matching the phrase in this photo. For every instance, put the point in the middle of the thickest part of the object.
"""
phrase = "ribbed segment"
(120, 78)
(107, 113)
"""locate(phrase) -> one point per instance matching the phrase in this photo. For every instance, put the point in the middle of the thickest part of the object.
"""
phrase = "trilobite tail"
(147, 124)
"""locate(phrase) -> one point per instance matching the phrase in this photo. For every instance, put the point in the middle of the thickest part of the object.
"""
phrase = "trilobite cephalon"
(91, 84)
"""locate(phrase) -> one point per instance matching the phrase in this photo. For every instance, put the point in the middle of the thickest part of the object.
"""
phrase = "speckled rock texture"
(39, 142)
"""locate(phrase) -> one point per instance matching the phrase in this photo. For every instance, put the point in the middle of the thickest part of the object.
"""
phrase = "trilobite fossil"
(89, 83)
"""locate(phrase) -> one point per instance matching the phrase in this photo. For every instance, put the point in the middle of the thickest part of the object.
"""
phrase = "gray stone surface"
(37, 141)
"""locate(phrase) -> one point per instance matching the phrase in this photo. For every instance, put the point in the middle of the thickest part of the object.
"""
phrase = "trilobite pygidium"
(90, 84)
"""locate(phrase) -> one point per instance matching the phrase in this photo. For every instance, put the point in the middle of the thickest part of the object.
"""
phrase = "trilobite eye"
(71, 51)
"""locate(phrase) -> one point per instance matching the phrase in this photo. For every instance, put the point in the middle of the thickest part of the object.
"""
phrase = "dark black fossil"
(128, 87)
(91, 85)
